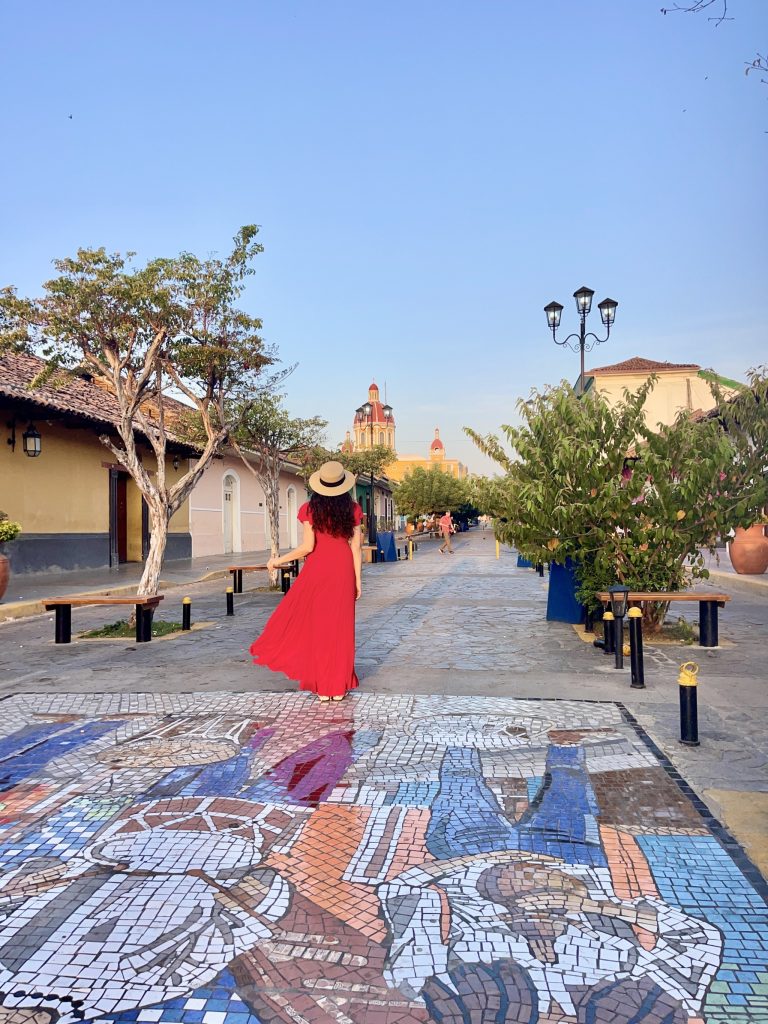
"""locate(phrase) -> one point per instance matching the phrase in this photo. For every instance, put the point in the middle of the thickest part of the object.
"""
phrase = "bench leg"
(63, 623)
(708, 624)
(285, 578)
(144, 618)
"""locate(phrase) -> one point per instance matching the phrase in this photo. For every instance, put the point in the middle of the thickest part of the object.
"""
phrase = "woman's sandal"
(337, 699)
(323, 700)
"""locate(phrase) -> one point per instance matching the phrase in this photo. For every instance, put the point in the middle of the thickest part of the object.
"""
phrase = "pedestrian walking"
(311, 634)
(446, 528)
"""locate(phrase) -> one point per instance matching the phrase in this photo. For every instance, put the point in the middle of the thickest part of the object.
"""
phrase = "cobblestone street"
(494, 828)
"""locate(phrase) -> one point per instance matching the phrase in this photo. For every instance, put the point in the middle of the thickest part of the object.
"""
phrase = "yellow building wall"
(399, 469)
(66, 488)
(672, 393)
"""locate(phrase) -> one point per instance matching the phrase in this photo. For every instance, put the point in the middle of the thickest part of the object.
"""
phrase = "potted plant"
(8, 531)
(748, 549)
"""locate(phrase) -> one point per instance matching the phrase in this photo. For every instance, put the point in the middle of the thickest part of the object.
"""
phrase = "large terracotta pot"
(409, 527)
(5, 575)
(748, 550)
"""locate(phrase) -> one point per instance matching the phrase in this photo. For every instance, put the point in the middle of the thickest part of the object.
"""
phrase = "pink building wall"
(209, 521)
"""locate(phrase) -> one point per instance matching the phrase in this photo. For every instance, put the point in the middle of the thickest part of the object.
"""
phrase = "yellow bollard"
(497, 549)
(689, 712)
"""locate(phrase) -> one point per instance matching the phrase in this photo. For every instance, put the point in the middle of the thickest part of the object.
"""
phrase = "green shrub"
(8, 529)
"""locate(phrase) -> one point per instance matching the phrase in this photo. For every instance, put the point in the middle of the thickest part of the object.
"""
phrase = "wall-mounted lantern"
(30, 439)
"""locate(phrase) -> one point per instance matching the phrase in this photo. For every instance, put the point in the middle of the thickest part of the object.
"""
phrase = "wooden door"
(118, 517)
(122, 518)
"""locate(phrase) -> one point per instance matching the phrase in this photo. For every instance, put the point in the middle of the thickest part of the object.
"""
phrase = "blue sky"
(427, 176)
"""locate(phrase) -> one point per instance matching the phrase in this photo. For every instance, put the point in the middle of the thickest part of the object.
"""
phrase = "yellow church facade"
(374, 424)
(436, 459)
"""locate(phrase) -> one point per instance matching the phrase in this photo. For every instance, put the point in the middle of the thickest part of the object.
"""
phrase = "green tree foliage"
(362, 463)
(744, 419)
(489, 495)
(170, 327)
(265, 437)
(427, 492)
(590, 481)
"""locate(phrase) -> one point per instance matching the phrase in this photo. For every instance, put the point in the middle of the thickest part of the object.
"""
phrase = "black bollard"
(589, 622)
(540, 568)
(230, 601)
(708, 633)
(608, 635)
(636, 648)
(186, 613)
(689, 712)
(64, 623)
(618, 641)
(285, 578)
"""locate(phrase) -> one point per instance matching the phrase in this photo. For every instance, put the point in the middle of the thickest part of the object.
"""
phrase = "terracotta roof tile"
(639, 365)
(79, 397)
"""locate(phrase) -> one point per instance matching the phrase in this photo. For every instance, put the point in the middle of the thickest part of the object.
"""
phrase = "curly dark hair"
(334, 515)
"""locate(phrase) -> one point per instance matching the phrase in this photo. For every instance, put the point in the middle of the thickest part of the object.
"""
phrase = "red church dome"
(377, 410)
(437, 445)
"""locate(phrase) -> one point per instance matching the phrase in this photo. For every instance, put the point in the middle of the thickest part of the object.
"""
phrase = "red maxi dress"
(311, 634)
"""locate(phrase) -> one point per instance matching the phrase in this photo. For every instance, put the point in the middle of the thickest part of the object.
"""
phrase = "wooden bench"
(708, 605)
(287, 573)
(145, 610)
(237, 575)
(370, 552)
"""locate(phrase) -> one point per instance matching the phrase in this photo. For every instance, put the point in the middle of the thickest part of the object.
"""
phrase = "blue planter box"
(523, 563)
(562, 604)
(387, 548)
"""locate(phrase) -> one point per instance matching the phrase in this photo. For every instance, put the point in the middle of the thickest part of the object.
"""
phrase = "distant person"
(446, 528)
(311, 634)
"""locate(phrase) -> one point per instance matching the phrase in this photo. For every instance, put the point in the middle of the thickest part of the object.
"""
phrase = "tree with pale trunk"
(267, 437)
(149, 335)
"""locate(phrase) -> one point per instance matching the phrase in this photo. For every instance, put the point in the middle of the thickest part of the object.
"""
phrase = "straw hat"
(332, 479)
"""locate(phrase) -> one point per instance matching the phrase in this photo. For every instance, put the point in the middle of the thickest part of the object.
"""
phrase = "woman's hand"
(272, 566)
(358, 590)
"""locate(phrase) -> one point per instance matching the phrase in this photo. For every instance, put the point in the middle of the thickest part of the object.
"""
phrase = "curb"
(25, 609)
(732, 577)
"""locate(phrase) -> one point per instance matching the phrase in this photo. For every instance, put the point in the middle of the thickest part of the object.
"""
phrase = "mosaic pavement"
(249, 859)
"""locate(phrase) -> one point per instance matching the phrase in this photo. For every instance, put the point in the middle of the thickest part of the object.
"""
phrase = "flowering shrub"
(590, 481)
(8, 529)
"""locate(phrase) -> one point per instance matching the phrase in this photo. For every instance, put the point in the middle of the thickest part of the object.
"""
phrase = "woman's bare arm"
(356, 543)
(306, 547)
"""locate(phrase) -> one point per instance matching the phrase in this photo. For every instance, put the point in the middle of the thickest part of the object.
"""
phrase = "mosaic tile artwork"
(250, 859)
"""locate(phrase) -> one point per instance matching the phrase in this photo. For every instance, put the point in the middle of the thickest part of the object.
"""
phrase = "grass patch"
(123, 629)
(679, 632)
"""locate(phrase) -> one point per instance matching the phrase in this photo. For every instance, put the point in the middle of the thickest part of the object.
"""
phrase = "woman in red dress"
(311, 634)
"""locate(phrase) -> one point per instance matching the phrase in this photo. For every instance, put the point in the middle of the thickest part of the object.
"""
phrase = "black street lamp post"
(619, 597)
(365, 415)
(578, 342)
